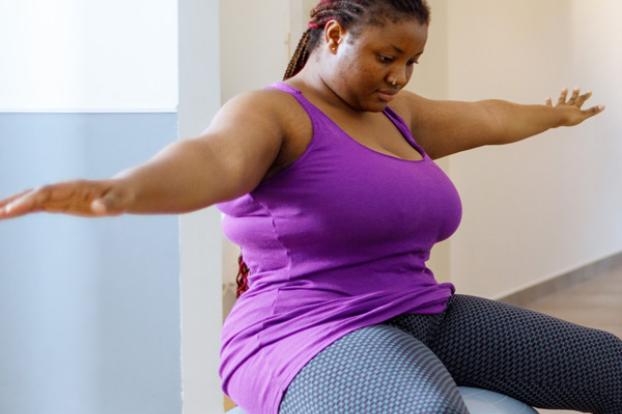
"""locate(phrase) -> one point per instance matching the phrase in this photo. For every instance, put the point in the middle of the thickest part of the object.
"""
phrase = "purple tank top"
(334, 242)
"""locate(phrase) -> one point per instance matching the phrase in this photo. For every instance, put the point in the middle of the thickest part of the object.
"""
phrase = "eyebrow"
(401, 51)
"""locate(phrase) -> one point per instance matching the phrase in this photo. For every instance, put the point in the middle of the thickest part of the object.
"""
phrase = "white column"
(200, 232)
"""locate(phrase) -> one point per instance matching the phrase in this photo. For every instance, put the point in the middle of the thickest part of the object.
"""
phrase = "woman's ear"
(333, 34)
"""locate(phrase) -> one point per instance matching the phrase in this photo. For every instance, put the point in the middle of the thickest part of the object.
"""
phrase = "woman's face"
(363, 69)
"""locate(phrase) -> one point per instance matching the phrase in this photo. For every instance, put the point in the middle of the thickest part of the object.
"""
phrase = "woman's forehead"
(408, 37)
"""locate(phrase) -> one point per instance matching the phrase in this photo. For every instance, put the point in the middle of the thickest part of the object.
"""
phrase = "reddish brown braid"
(349, 13)
(242, 277)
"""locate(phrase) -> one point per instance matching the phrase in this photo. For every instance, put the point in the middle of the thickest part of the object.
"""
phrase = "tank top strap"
(321, 120)
(306, 104)
(284, 87)
(401, 125)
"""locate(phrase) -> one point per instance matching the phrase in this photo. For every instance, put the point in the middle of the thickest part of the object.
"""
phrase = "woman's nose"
(399, 76)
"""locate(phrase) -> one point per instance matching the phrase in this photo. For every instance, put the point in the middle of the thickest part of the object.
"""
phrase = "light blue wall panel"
(89, 308)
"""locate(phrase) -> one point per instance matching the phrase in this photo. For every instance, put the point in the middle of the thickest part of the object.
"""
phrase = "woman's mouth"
(386, 96)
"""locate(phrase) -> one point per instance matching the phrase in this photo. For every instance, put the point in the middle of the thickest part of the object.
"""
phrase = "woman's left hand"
(571, 107)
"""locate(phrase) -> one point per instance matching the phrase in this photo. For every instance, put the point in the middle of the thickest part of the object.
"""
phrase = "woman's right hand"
(86, 198)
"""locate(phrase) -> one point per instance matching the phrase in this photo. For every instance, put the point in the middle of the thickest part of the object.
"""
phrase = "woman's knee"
(607, 374)
(378, 369)
(482, 341)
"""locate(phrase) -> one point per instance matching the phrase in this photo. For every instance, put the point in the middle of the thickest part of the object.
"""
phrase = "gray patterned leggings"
(413, 363)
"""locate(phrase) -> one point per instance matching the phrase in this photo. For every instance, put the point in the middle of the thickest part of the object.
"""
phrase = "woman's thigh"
(378, 369)
(539, 359)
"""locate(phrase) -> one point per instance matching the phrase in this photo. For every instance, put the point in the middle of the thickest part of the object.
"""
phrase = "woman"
(328, 184)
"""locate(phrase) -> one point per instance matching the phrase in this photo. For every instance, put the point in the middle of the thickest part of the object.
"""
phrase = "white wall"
(533, 209)
(88, 56)
(200, 231)
(256, 47)
(549, 204)
(430, 79)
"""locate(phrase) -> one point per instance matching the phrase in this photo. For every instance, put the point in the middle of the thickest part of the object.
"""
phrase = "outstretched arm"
(522, 121)
(447, 127)
(227, 160)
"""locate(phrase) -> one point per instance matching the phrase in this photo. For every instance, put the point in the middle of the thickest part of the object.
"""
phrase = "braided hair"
(352, 15)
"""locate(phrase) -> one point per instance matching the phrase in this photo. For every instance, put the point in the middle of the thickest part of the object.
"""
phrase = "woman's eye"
(413, 62)
(385, 59)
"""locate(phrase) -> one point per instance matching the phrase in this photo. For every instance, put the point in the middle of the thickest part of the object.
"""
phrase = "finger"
(574, 96)
(8, 212)
(49, 197)
(28, 203)
(596, 110)
(13, 197)
(72, 197)
(549, 101)
(562, 97)
(581, 99)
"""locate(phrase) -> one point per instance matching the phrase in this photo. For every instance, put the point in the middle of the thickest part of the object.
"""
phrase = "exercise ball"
(481, 401)
(478, 401)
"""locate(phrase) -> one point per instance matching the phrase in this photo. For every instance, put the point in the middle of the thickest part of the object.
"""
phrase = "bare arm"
(448, 127)
(227, 160)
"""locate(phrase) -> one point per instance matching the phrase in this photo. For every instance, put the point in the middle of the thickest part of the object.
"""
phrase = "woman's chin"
(372, 105)
(377, 106)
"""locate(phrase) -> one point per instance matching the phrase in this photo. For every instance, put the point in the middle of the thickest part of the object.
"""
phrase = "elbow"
(496, 122)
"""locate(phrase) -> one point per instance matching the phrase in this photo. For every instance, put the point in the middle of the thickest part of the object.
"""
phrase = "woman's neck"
(311, 83)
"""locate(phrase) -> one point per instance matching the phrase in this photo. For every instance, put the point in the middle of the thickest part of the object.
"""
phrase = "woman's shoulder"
(266, 101)
(262, 98)
(272, 105)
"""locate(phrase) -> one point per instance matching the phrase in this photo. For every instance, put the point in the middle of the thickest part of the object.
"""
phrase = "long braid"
(345, 12)
(300, 57)
(242, 277)
(348, 13)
